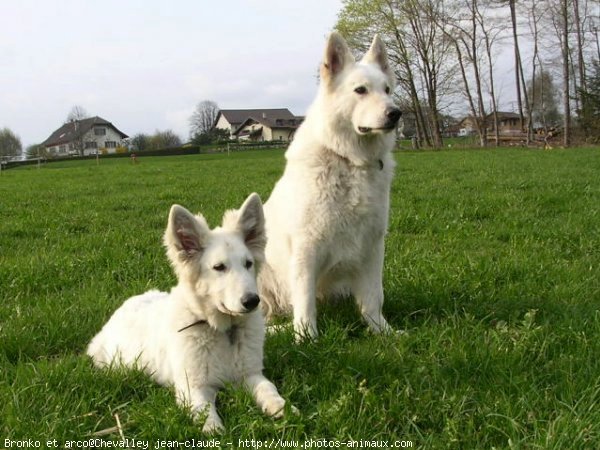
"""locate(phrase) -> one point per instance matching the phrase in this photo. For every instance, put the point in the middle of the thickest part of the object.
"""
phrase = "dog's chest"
(354, 200)
(350, 212)
(220, 356)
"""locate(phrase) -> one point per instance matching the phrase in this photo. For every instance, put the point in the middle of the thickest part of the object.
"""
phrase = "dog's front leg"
(302, 290)
(265, 394)
(201, 400)
(367, 288)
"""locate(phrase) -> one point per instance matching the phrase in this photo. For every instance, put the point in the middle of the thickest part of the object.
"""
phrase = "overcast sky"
(145, 64)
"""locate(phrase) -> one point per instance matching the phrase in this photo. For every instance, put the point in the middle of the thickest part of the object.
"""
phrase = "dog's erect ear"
(337, 57)
(251, 223)
(185, 235)
(377, 54)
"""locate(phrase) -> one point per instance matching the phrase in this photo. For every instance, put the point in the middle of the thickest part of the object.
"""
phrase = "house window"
(110, 144)
(91, 144)
(62, 149)
(100, 131)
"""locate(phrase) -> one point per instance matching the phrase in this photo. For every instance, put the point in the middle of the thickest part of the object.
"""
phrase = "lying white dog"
(208, 330)
(327, 216)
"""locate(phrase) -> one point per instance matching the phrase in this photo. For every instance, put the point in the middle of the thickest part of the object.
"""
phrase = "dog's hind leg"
(367, 288)
(265, 394)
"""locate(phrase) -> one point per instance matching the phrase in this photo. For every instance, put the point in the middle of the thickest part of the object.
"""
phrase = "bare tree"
(163, 139)
(77, 113)
(561, 20)
(463, 26)
(74, 118)
(534, 18)
(490, 33)
(579, 38)
(518, 66)
(204, 117)
(564, 16)
(573, 36)
(432, 52)
(402, 59)
(544, 99)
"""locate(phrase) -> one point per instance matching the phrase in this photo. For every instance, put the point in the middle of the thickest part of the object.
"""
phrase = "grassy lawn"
(492, 265)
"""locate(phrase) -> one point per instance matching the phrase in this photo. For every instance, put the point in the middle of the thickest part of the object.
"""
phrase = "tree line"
(202, 130)
(201, 133)
(11, 145)
(445, 56)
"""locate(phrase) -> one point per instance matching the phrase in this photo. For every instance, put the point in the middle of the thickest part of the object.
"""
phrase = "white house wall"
(101, 146)
(110, 136)
(267, 134)
(224, 124)
(281, 134)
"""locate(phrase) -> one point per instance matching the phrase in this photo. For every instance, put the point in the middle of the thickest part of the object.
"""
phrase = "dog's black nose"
(250, 301)
(393, 114)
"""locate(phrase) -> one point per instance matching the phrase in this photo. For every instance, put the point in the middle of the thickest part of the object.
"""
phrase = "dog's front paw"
(213, 425)
(274, 329)
(274, 407)
(305, 332)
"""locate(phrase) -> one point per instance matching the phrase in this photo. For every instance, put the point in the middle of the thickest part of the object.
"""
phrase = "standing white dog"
(208, 330)
(327, 216)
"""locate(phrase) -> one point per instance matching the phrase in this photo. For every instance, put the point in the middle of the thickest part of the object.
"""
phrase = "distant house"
(91, 135)
(508, 123)
(259, 124)
(467, 126)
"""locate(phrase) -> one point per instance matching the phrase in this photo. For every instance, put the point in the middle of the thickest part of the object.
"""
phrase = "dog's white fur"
(327, 216)
(216, 271)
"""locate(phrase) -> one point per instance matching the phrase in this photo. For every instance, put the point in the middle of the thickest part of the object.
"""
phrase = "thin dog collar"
(198, 322)
(231, 332)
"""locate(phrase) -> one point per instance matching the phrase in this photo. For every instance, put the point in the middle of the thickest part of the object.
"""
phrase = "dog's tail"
(272, 294)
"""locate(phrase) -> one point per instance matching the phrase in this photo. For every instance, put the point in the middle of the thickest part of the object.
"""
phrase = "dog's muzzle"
(393, 116)
(250, 302)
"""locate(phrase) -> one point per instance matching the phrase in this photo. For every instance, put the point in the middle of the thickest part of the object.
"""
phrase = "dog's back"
(129, 338)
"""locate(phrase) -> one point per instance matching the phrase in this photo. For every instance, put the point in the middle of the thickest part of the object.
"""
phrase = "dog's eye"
(361, 90)
(387, 90)
(220, 267)
(248, 264)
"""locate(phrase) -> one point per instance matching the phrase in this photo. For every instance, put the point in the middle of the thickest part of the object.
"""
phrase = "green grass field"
(492, 265)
